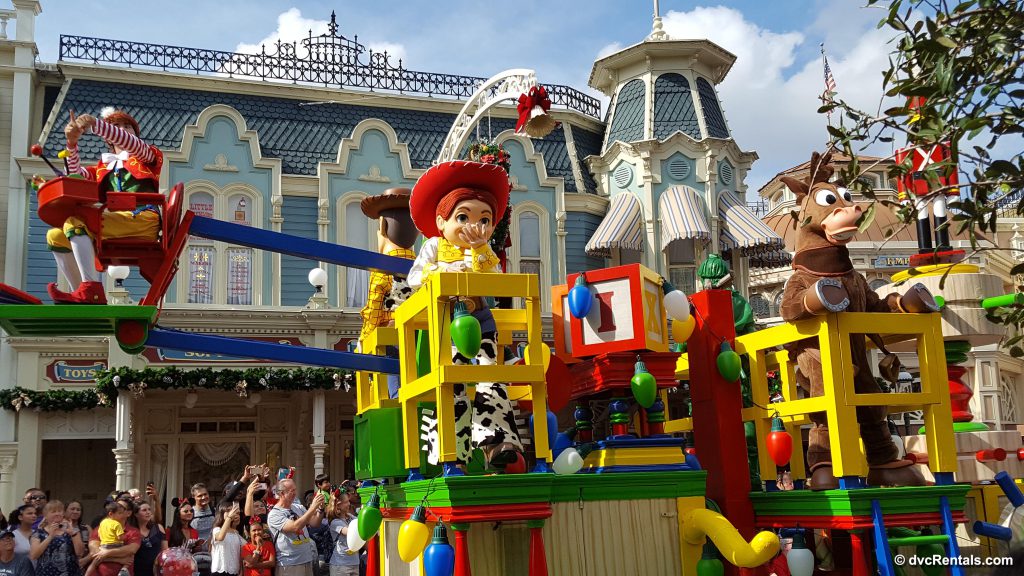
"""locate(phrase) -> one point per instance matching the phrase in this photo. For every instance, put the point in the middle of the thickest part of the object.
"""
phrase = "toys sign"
(74, 371)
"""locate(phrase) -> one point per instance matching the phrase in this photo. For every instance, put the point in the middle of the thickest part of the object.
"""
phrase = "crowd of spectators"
(258, 528)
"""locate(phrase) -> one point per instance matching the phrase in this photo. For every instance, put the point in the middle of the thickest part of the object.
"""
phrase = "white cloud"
(395, 52)
(770, 99)
(608, 50)
(291, 26)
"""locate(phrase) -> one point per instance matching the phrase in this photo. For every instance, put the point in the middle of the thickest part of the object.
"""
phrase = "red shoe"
(58, 296)
(86, 293)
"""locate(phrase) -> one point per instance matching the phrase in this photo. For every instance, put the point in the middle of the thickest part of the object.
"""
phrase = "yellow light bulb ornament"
(545, 355)
(413, 535)
(683, 329)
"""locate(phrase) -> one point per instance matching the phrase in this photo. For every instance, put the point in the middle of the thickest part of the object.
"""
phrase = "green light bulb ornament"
(729, 365)
(369, 518)
(465, 331)
(644, 385)
(709, 563)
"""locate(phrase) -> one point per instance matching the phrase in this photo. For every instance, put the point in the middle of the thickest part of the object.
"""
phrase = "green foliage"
(109, 383)
(957, 73)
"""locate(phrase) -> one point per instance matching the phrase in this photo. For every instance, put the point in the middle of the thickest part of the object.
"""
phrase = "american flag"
(830, 82)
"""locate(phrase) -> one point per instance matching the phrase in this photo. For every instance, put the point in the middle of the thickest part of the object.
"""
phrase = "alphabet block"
(627, 315)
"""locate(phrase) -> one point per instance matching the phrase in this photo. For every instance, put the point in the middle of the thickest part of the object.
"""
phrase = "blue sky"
(769, 96)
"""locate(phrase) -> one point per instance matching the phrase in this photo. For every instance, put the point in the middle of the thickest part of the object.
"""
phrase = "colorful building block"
(628, 314)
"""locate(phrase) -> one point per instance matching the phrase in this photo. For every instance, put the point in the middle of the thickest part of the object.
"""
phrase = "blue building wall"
(221, 137)
(579, 227)
(526, 173)
(373, 149)
(299, 215)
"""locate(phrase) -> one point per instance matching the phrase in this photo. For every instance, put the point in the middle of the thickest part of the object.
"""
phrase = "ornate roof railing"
(328, 59)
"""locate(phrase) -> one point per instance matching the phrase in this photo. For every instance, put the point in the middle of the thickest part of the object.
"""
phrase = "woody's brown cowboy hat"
(391, 198)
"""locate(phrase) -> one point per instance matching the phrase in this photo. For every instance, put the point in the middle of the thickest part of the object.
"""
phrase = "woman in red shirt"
(258, 555)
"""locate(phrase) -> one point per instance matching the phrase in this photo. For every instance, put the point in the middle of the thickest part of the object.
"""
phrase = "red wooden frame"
(157, 260)
(477, 513)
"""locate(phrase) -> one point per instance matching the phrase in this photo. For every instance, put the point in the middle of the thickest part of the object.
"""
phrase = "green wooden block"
(378, 439)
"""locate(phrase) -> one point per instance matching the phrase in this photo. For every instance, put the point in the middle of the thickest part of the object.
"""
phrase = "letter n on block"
(627, 315)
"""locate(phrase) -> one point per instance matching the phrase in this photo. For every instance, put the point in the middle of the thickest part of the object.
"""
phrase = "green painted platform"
(527, 488)
(903, 500)
(69, 319)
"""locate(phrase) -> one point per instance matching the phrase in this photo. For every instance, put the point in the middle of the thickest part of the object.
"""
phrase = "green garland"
(109, 383)
(491, 153)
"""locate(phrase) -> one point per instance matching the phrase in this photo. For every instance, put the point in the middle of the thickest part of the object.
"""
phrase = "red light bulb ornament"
(643, 384)
(780, 443)
(413, 535)
(580, 298)
(369, 518)
(439, 557)
(466, 334)
(729, 365)
(676, 303)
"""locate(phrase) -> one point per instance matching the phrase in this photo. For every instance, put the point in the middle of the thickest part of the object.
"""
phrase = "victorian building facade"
(291, 140)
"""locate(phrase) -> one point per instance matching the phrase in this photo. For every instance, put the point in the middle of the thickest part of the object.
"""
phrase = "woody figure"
(456, 205)
(396, 235)
(131, 165)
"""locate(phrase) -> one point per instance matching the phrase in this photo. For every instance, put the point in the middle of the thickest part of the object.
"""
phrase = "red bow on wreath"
(537, 96)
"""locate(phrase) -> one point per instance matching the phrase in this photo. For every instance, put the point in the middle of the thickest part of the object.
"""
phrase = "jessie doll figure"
(456, 206)
(131, 165)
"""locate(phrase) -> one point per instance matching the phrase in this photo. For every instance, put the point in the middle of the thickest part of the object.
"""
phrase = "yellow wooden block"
(639, 456)
(689, 553)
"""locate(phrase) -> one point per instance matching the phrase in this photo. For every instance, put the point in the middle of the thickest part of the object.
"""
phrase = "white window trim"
(221, 212)
(341, 272)
(543, 217)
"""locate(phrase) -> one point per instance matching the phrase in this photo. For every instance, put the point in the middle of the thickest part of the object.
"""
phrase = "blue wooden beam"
(296, 246)
(187, 341)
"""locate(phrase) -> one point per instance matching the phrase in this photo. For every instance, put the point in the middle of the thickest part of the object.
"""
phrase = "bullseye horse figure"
(825, 281)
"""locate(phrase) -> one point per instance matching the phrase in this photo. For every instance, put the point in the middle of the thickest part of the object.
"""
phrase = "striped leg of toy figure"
(494, 428)
(490, 425)
(941, 230)
(924, 233)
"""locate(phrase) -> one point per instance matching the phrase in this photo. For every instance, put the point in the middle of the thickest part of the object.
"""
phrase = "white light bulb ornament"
(799, 558)
(571, 460)
(676, 303)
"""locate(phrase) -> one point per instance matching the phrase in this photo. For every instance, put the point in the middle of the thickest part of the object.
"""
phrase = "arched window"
(759, 304)
(357, 235)
(777, 304)
(628, 120)
(531, 245)
(219, 273)
(878, 283)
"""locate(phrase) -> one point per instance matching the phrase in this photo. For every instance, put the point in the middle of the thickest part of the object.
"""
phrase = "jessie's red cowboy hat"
(390, 199)
(441, 179)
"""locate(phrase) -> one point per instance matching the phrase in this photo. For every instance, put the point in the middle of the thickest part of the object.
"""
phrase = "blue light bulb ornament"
(580, 298)
(466, 333)
(729, 365)
(439, 557)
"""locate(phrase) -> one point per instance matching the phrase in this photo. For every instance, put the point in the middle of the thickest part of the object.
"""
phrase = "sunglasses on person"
(37, 497)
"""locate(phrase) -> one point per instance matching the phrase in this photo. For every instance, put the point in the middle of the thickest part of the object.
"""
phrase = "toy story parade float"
(458, 398)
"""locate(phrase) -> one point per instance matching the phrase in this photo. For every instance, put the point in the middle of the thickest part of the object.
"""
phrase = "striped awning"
(681, 213)
(740, 228)
(622, 227)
